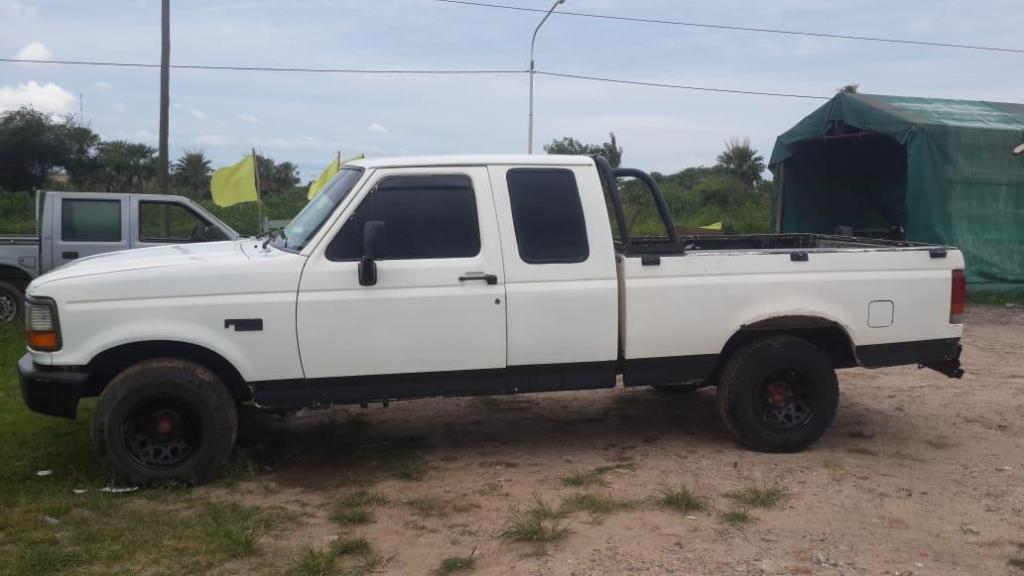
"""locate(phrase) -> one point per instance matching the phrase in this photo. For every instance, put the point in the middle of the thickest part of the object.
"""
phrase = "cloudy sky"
(305, 118)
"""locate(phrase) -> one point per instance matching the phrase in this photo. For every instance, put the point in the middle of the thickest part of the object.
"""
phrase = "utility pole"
(165, 97)
(532, 42)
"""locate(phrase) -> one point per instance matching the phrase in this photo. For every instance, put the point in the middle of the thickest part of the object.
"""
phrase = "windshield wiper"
(272, 234)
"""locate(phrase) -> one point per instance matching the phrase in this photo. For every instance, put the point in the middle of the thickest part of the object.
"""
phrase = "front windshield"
(306, 223)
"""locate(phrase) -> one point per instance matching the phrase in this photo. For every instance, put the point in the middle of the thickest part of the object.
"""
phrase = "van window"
(424, 216)
(547, 215)
(83, 220)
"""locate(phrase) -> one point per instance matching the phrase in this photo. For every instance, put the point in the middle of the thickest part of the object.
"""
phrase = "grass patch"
(233, 530)
(541, 524)
(1016, 563)
(594, 476)
(737, 517)
(349, 557)
(682, 500)
(455, 564)
(355, 508)
(758, 497)
(597, 505)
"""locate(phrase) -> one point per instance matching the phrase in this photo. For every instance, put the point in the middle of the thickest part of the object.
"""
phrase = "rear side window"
(424, 217)
(548, 216)
(90, 220)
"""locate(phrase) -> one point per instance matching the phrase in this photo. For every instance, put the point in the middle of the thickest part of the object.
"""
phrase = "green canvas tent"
(929, 170)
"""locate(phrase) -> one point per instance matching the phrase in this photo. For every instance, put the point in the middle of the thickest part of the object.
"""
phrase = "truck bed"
(761, 243)
(18, 240)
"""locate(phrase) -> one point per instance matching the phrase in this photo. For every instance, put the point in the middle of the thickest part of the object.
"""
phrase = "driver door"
(434, 321)
(159, 222)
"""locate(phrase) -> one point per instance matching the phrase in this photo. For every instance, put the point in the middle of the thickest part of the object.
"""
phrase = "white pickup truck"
(451, 276)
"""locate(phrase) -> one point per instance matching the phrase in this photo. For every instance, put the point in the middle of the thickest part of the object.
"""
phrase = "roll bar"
(610, 177)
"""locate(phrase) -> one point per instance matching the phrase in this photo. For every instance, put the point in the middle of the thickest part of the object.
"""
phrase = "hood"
(147, 259)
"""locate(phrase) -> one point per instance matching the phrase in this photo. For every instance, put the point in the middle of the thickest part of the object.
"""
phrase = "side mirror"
(373, 242)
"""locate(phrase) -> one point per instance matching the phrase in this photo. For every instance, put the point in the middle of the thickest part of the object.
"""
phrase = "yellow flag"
(235, 184)
(715, 226)
(333, 168)
(325, 177)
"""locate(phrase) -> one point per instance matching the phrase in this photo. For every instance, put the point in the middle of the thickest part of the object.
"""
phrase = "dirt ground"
(920, 474)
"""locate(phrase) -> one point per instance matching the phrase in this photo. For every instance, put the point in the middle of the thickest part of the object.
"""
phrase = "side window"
(547, 216)
(170, 222)
(90, 220)
(424, 217)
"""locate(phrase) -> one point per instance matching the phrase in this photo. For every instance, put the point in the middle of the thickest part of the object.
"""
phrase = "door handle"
(69, 255)
(489, 278)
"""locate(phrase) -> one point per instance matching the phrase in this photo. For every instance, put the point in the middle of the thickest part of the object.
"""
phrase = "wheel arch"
(15, 275)
(111, 362)
(830, 336)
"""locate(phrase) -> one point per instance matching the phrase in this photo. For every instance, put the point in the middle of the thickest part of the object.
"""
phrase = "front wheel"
(10, 302)
(165, 420)
(778, 394)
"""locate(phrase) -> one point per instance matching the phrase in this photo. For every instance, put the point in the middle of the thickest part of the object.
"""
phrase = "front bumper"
(51, 391)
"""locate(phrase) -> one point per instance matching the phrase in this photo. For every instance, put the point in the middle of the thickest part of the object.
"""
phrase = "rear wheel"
(165, 420)
(778, 394)
(11, 300)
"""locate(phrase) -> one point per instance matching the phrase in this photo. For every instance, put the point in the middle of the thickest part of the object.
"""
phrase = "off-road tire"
(12, 301)
(146, 393)
(750, 379)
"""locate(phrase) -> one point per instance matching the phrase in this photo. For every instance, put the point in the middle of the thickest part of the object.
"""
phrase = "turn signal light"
(43, 341)
(958, 298)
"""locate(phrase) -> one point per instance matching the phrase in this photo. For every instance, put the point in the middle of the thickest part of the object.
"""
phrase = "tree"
(31, 146)
(125, 166)
(610, 150)
(191, 173)
(276, 178)
(848, 89)
(742, 161)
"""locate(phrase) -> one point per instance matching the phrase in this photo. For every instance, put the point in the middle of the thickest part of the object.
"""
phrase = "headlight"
(41, 326)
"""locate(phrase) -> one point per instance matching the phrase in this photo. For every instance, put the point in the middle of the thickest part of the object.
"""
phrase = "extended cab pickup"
(419, 277)
(72, 225)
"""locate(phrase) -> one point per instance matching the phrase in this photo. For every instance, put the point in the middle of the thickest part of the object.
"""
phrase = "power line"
(680, 86)
(401, 71)
(262, 68)
(744, 28)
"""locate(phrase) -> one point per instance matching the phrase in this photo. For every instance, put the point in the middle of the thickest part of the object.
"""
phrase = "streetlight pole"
(165, 75)
(533, 41)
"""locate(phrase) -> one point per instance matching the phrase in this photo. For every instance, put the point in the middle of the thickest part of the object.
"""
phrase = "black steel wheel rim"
(784, 400)
(8, 307)
(162, 432)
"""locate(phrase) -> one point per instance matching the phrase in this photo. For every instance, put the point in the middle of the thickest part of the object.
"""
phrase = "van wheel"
(11, 300)
(165, 420)
(778, 394)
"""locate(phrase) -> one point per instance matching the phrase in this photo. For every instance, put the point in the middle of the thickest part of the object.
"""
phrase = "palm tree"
(192, 172)
(742, 161)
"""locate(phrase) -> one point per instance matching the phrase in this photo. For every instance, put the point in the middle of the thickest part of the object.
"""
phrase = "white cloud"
(35, 51)
(377, 128)
(101, 86)
(249, 118)
(118, 106)
(198, 114)
(178, 106)
(45, 98)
